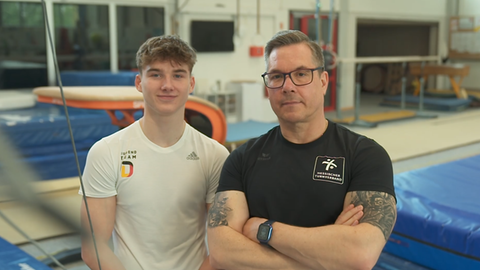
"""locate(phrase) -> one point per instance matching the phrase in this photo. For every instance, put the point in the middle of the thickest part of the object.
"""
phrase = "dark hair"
(168, 47)
(289, 37)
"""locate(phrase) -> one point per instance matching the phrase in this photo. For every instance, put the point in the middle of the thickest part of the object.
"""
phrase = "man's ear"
(192, 84)
(138, 83)
(324, 81)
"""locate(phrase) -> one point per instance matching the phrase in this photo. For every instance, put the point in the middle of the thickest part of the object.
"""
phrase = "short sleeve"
(100, 174)
(218, 159)
(231, 176)
(372, 168)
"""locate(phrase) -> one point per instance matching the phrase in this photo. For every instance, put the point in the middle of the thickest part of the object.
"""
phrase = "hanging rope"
(59, 82)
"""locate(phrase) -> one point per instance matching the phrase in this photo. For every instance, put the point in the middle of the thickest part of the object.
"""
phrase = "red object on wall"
(330, 102)
(256, 51)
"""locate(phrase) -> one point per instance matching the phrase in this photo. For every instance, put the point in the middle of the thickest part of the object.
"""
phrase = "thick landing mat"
(389, 262)
(438, 222)
(13, 258)
(429, 103)
(46, 124)
(41, 136)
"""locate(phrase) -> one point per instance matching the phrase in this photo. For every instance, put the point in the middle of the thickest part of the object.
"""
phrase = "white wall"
(470, 8)
(275, 16)
(238, 65)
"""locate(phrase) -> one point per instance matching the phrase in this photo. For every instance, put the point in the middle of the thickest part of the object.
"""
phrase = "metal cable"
(59, 82)
(35, 243)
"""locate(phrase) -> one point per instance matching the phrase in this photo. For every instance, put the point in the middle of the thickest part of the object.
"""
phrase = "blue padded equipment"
(41, 136)
(98, 78)
(46, 124)
(13, 258)
(429, 103)
(242, 131)
(438, 223)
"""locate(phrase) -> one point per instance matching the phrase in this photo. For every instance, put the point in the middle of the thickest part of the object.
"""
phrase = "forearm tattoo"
(378, 208)
(217, 216)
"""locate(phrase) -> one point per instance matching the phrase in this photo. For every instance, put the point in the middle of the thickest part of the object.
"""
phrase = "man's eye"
(301, 74)
(275, 76)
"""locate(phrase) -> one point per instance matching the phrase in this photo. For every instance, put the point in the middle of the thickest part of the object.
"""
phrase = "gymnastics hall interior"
(418, 95)
(435, 162)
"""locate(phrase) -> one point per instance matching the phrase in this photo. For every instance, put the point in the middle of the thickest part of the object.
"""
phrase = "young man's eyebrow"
(153, 70)
(180, 70)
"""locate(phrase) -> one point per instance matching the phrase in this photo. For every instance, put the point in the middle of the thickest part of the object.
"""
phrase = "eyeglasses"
(299, 77)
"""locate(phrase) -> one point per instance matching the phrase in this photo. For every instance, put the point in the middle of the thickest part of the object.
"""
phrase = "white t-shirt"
(161, 195)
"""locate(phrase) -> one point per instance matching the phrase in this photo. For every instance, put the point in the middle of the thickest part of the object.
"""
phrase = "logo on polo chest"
(329, 169)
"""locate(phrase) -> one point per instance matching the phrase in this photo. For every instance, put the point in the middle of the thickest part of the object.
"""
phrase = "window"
(135, 25)
(22, 45)
(82, 37)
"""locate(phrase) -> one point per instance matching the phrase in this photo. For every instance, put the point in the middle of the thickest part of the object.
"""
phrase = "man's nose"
(167, 83)
(288, 84)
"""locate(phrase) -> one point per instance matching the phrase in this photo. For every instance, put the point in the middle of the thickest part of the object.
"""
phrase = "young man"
(284, 198)
(152, 183)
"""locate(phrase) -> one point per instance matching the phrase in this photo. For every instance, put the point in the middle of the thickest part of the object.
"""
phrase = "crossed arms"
(347, 244)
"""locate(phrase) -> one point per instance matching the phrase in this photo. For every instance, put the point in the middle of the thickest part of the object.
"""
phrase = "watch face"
(264, 232)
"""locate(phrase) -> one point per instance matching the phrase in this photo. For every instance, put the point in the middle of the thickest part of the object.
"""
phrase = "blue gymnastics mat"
(13, 258)
(98, 78)
(242, 131)
(46, 124)
(438, 223)
(390, 262)
(41, 136)
(429, 103)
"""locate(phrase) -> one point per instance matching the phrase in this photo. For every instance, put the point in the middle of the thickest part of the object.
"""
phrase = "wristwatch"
(265, 232)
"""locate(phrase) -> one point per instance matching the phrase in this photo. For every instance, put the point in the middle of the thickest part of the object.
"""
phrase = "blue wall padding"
(98, 78)
(439, 207)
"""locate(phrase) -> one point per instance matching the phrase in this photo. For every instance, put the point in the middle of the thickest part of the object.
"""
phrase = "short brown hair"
(289, 37)
(167, 47)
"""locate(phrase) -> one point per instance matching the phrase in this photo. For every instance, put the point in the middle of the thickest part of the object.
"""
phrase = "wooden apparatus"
(452, 71)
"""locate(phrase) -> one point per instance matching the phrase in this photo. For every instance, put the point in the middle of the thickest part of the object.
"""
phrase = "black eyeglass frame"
(289, 75)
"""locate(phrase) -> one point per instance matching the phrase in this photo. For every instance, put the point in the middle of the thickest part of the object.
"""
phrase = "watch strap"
(269, 222)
